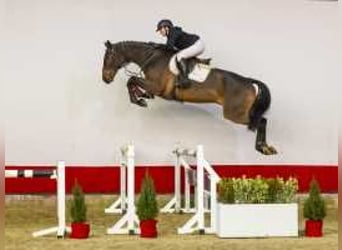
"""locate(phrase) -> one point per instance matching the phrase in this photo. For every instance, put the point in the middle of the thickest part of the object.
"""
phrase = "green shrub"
(78, 207)
(256, 190)
(275, 188)
(290, 189)
(259, 190)
(314, 206)
(280, 191)
(147, 207)
(242, 189)
(226, 193)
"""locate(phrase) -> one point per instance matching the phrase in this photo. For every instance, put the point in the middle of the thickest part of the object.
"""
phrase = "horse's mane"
(149, 46)
(131, 43)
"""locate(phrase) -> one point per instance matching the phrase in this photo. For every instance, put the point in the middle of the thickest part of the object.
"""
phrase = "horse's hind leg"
(260, 143)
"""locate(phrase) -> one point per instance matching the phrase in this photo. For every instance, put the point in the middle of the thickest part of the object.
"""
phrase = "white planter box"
(257, 220)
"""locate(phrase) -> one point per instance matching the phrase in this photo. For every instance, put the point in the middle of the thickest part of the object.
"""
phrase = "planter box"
(79, 230)
(257, 220)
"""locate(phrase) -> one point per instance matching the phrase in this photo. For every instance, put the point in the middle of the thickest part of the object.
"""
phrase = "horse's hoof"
(142, 103)
(147, 96)
(132, 80)
(273, 150)
(266, 150)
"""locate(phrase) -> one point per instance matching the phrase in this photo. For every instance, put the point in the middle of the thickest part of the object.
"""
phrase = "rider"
(189, 45)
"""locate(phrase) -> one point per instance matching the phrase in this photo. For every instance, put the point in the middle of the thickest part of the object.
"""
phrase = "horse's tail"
(260, 105)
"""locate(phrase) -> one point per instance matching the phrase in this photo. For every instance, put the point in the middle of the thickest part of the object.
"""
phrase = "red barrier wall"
(107, 179)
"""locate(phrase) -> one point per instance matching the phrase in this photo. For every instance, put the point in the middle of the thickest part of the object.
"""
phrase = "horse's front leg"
(141, 84)
(135, 93)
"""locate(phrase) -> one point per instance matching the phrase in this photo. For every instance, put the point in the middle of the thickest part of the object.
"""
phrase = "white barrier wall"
(57, 107)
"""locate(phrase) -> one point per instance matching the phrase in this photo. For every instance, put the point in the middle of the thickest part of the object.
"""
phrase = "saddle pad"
(198, 74)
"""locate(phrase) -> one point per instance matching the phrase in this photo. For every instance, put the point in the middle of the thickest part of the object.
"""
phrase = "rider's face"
(163, 31)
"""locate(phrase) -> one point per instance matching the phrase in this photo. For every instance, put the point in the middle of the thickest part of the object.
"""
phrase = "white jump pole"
(178, 194)
(130, 219)
(61, 229)
(120, 205)
(200, 189)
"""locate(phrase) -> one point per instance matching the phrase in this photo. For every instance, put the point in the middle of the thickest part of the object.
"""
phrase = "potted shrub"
(314, 211)
(147, 209)
(79, 228)
(257, 207)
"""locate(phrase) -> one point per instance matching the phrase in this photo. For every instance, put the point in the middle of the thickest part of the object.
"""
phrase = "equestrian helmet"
(164, 23)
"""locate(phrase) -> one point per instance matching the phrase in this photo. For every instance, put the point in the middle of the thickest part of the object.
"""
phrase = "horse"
(244, 100)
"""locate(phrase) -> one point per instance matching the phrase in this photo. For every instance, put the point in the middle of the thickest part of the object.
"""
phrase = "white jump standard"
(126, 199)
(120, 205)
(59, 175)
(205, 200)
(175, 204)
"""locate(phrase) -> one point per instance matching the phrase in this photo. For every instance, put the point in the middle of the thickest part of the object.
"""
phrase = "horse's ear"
(108, 44)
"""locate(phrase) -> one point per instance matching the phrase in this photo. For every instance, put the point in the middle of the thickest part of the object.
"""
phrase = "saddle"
(205, 61)
(198, 68)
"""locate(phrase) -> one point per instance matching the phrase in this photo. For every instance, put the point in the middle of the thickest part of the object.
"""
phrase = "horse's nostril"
(106, 80)
(107, 76)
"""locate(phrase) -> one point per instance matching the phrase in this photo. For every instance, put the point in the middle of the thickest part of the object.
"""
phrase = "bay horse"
(244, 100)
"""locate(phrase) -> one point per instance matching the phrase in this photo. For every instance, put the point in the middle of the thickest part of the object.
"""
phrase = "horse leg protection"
(134, 93)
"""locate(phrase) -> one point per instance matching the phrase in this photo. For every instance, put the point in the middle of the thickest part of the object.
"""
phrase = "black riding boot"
(182, 80)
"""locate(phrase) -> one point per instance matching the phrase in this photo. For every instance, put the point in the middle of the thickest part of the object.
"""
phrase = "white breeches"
(194, 50)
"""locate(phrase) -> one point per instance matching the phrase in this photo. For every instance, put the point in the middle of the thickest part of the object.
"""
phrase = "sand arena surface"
(24, 215)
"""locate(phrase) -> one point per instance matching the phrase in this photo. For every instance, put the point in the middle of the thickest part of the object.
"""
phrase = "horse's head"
(113, 61)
